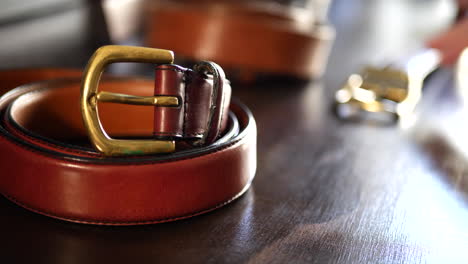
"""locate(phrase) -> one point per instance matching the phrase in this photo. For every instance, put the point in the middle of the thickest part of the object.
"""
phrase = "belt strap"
(253, 39)
(49, 167)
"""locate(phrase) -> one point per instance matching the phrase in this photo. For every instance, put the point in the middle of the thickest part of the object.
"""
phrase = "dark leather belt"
(49, 166)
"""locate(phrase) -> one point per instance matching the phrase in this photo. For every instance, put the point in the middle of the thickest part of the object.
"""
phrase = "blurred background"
(250, 39)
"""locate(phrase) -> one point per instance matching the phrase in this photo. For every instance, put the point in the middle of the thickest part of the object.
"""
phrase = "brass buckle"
(375, 90)
(389, 90)
(90, 97)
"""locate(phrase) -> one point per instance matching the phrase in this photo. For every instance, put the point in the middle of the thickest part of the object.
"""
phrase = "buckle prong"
(160, 100)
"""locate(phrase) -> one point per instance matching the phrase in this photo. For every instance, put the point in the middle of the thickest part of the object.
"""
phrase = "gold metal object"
(160, 100)
(375, 90)
(389, 90)
(90, 96)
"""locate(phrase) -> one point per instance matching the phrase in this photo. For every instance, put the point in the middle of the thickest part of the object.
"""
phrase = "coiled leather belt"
(253, 37)
(48, 165)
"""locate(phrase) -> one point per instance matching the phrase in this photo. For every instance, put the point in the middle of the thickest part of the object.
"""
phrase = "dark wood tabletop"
(325, 191)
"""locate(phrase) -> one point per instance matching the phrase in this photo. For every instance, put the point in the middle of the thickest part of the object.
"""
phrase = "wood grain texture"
(326, 191)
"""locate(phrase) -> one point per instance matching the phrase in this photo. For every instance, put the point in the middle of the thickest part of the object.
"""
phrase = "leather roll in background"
(253, 38)
(48, 166)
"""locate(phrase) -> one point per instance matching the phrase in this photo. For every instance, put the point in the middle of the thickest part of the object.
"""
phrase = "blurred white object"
(124, 18)
(462, 76)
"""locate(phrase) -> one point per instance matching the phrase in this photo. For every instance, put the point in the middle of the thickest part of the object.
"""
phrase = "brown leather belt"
(252, 38)
(48, 166)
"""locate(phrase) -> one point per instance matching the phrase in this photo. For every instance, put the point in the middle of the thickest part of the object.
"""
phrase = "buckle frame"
(90, 97)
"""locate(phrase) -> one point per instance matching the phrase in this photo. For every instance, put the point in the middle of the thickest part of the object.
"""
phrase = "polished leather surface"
(10, 79)
(51, 169)
(238, 36)
(192, 119)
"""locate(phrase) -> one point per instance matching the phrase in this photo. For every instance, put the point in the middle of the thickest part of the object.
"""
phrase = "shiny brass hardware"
(374, 90)
(160, 100)
(90, 95)
(387, 89)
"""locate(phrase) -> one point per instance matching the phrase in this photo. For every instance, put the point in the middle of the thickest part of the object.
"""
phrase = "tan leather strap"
(49, 167)
(235, 35)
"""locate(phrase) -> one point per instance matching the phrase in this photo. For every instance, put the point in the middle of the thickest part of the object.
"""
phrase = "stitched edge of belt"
(244, 141)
